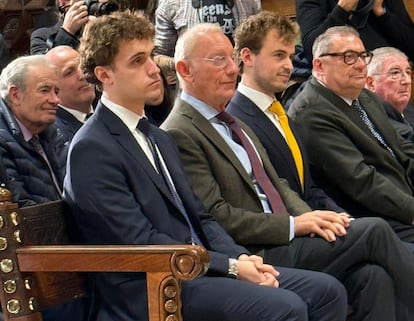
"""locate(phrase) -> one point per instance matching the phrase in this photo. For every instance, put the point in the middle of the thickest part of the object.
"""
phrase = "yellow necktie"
(277, 108)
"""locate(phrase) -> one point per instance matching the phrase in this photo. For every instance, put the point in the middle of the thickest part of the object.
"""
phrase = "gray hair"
(15, 73)
(187, 42)
(323, 42)
(380, 55)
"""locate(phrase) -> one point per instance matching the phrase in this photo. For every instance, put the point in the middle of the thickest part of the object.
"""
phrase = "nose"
(53, 98)
(153, 67)
(233, 65)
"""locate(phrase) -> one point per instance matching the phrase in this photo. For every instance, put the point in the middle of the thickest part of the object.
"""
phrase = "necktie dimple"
(273, 196)
(277, 108)
(362, 113)
(145, 127)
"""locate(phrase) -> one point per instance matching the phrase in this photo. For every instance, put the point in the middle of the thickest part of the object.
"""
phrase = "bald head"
(75, 92)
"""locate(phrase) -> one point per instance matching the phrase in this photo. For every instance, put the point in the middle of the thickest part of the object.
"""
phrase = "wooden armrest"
(186, 262)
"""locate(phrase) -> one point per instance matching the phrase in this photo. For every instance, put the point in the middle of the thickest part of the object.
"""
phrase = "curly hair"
(102, 36)
(252, 31)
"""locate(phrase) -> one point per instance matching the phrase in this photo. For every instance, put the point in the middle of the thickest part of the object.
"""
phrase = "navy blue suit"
(67, 123)
(279, 153)
(118, 198)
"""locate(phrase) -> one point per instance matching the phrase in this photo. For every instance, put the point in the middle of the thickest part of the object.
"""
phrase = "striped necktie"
(273, 196)
(277, 108)
(362, 113)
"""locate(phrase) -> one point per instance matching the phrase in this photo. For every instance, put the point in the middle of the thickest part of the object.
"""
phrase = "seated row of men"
(211, 179)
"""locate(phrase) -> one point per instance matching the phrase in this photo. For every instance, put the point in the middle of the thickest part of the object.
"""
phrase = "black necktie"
(362, 113)
(145, 127)
(273, 196)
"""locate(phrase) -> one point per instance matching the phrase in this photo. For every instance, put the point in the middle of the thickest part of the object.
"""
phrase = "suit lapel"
(124, 138)
(267, 130)
(204, 126)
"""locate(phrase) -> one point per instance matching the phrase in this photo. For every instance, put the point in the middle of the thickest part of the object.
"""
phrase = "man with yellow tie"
(265, 56)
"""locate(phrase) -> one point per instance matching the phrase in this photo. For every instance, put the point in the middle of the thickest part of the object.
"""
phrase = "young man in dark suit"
(230, 171)
(126, 185)
(262, 75)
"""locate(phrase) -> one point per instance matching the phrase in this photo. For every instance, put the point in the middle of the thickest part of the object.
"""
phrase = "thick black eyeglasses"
(350, 57)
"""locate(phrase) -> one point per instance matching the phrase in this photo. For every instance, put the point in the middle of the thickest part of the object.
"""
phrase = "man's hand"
(378, 8)
(252, 269)
(348, 5)
(326, 224)
(76, 16)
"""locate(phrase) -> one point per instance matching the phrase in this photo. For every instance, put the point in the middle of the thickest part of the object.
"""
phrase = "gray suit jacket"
(221, 182)
(349, 163)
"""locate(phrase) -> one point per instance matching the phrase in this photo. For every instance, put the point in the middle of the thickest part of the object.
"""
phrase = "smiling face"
(36, 105)
(269, 70)
(393, 83)
(211, 72)
(133, 78)
(345, 80)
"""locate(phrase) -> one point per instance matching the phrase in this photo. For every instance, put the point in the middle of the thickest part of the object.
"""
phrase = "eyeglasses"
(350, 57)
(397, 74)
(221, 62)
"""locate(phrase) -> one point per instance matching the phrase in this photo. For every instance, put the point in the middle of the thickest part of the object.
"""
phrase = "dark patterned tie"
(273, 196)
(145, 128)
(362, 113)
(35, 142)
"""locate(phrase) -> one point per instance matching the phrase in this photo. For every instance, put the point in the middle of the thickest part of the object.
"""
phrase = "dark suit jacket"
(394, 28)
(279, 153)
(399, 122)
(43, 39)
(222, 183)
(361, 175)
(118, 198)
(67, 123)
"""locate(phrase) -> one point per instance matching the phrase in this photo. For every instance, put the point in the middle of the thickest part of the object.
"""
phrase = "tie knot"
(144, 126)
(355, 103)
(277, 108)
(225, 117)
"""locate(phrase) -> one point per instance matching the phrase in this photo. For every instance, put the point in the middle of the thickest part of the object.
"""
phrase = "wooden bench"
(40, 269)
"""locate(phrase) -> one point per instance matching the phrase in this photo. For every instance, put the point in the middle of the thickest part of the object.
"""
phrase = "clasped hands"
(252, 269)
(326, 224)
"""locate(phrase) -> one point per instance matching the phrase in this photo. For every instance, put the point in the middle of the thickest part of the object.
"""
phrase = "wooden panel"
(17, 19)
(284, 7)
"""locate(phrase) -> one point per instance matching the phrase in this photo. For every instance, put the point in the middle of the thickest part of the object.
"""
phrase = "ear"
(184, 69)
(247, 56)
(103, 74)
(15, 95)
(370, 83)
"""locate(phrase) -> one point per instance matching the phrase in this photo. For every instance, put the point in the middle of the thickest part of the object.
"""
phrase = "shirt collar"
(79, 115)
(128, 117)
(204, 109)
(27, 135)
(260, 99)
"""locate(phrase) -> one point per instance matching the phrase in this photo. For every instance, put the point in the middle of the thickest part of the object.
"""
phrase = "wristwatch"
(233, 270)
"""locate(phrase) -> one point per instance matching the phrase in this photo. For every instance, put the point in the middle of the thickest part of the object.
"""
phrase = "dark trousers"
(370, 261)
(302, 295)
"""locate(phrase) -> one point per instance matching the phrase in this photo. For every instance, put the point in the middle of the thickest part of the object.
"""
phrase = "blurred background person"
(173, 17)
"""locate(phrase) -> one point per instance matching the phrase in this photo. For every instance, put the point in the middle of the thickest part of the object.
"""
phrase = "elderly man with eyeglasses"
(390, 77)
(355, 153)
